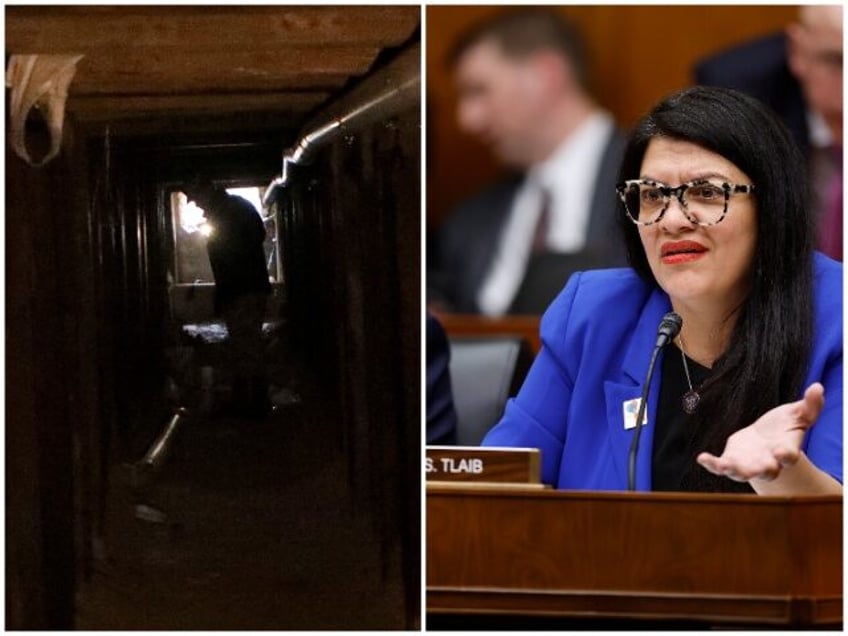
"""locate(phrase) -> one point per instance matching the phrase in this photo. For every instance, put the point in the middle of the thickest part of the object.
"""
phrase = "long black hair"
(766, 361)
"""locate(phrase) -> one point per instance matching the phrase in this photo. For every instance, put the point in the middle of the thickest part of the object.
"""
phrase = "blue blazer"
(597, 339)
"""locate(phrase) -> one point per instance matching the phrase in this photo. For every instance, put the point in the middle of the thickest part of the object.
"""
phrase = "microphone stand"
(668, 330)
(634, 444)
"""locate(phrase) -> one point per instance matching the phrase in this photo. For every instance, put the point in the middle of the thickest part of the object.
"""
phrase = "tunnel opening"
(292, 500)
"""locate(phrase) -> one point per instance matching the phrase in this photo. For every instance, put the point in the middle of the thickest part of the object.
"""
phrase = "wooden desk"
(718, 560)
(470, 325)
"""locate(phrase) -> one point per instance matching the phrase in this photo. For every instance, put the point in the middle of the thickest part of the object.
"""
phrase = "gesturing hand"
(761, 450)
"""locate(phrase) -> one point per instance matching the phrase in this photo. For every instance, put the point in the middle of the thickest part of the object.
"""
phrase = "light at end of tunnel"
(206, 229)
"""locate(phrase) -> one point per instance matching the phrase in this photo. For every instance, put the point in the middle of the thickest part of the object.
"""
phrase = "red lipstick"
(675, 252)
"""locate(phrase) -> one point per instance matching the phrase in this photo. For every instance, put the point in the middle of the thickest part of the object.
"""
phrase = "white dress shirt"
(569, 176)
(822, 162)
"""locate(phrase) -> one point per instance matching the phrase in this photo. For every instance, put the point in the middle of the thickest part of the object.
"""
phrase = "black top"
(673, 437)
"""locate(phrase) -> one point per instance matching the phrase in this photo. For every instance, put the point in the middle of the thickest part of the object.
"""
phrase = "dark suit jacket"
(441, 415)
(468, 239)
(759, 68)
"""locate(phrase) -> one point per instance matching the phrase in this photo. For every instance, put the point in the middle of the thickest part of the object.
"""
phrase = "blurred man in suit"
(799, 74)
(522, 80)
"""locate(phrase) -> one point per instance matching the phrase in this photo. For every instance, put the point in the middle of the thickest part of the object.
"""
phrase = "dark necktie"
(830, 232)
(540, 235)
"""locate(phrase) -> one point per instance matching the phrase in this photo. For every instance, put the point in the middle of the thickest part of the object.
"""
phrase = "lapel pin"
(630, 409)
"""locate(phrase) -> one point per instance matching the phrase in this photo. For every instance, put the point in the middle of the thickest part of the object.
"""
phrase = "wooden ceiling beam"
(282, 125)
(85, 29)
(113, 107)
(222, 70)
(140, 83)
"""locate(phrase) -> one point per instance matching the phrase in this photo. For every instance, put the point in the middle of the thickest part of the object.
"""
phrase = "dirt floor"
(249, 525)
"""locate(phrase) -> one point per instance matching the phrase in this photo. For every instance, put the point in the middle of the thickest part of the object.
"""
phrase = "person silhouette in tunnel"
(235, 240)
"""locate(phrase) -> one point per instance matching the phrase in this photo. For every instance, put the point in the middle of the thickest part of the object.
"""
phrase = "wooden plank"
(217, 71)
(277, 123)
(57, 29)
(707, 610)
(120, 107)
(48, 411)
(270, 61)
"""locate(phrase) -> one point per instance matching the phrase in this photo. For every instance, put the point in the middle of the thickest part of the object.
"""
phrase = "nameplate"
(483, 464)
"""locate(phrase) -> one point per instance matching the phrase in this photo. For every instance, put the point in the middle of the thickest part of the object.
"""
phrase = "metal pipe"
(298, 154)
(155, 456)
(141, 472)
(388, 92)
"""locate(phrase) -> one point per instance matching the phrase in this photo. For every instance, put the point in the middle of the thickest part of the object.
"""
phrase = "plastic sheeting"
(39, 81)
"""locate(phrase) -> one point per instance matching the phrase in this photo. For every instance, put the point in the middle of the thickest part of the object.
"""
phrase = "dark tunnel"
(134, 499)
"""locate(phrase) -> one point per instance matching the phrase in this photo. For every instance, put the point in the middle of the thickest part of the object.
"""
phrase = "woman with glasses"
(747, 397)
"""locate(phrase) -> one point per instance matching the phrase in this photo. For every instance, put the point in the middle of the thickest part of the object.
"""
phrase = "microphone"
(669, 328)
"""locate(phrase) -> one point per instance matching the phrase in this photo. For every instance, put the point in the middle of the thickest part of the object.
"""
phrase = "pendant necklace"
(691, 397)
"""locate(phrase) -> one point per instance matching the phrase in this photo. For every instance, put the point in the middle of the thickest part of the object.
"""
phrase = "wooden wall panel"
(51, 387)
(27, 602)
(639, 53)
(352, 237)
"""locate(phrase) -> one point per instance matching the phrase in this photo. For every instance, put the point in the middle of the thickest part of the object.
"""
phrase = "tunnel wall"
(52, 391)
(352, 246)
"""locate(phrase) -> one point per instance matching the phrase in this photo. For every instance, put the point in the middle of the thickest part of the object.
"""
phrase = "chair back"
(485, 371)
